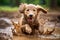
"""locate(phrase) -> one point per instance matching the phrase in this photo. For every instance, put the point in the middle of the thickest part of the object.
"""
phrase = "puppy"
(29, 19)
(6, 29)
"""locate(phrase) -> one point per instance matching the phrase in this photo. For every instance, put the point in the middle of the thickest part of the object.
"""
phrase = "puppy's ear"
(39, 8)
(22, 7)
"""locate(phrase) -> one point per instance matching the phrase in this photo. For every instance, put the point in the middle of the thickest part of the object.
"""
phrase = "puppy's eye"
(27, 9)
(33, 10)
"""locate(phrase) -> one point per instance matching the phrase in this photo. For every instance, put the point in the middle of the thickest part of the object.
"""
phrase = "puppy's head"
(30, 11)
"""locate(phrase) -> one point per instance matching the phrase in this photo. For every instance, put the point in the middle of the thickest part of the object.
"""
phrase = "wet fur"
(28, 27)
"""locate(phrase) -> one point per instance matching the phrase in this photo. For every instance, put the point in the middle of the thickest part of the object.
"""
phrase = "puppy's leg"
(49, 28)
(26, 29)
(41, 29)
(48, 31)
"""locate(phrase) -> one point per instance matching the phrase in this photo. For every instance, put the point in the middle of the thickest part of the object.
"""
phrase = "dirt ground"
(13, 15)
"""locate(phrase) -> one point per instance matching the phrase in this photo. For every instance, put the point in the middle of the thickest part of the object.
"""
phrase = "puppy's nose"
(30, 15)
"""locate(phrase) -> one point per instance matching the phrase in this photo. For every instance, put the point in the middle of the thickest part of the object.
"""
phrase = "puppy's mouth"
(30, 19)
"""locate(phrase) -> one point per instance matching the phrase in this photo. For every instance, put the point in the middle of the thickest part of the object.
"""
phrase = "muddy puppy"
(29, 19)
(6, 29)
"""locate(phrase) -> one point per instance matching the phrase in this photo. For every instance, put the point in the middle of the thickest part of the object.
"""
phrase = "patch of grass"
(12, 9)
(8, 8)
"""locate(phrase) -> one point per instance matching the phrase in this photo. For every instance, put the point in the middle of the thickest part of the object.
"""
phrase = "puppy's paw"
(49, 28)
(26, 29)
(48, 31)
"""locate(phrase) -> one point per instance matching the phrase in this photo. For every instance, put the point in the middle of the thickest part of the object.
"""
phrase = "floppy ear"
(22, 8)
(39, 8)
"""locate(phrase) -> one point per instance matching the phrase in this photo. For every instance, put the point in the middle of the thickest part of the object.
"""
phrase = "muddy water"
(34, 38)
(54, 36)
(57, 30)
(24, 38)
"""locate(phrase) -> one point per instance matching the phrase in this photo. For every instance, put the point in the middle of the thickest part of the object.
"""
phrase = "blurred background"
(40, 2)
(45, 3)
(12, 5)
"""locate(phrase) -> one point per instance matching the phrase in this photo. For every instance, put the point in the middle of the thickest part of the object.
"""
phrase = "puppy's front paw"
(26, 29)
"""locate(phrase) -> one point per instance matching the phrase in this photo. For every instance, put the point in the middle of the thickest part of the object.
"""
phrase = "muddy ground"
(15, 15)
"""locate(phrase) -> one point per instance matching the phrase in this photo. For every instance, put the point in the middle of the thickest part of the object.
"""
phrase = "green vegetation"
(8, 8)
(12, 5)
(59, 2)
(16, 2)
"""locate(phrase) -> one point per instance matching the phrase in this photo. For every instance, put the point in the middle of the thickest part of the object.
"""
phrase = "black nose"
(30, 15)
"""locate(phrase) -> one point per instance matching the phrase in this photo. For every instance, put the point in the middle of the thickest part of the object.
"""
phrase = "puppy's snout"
(30, 15)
